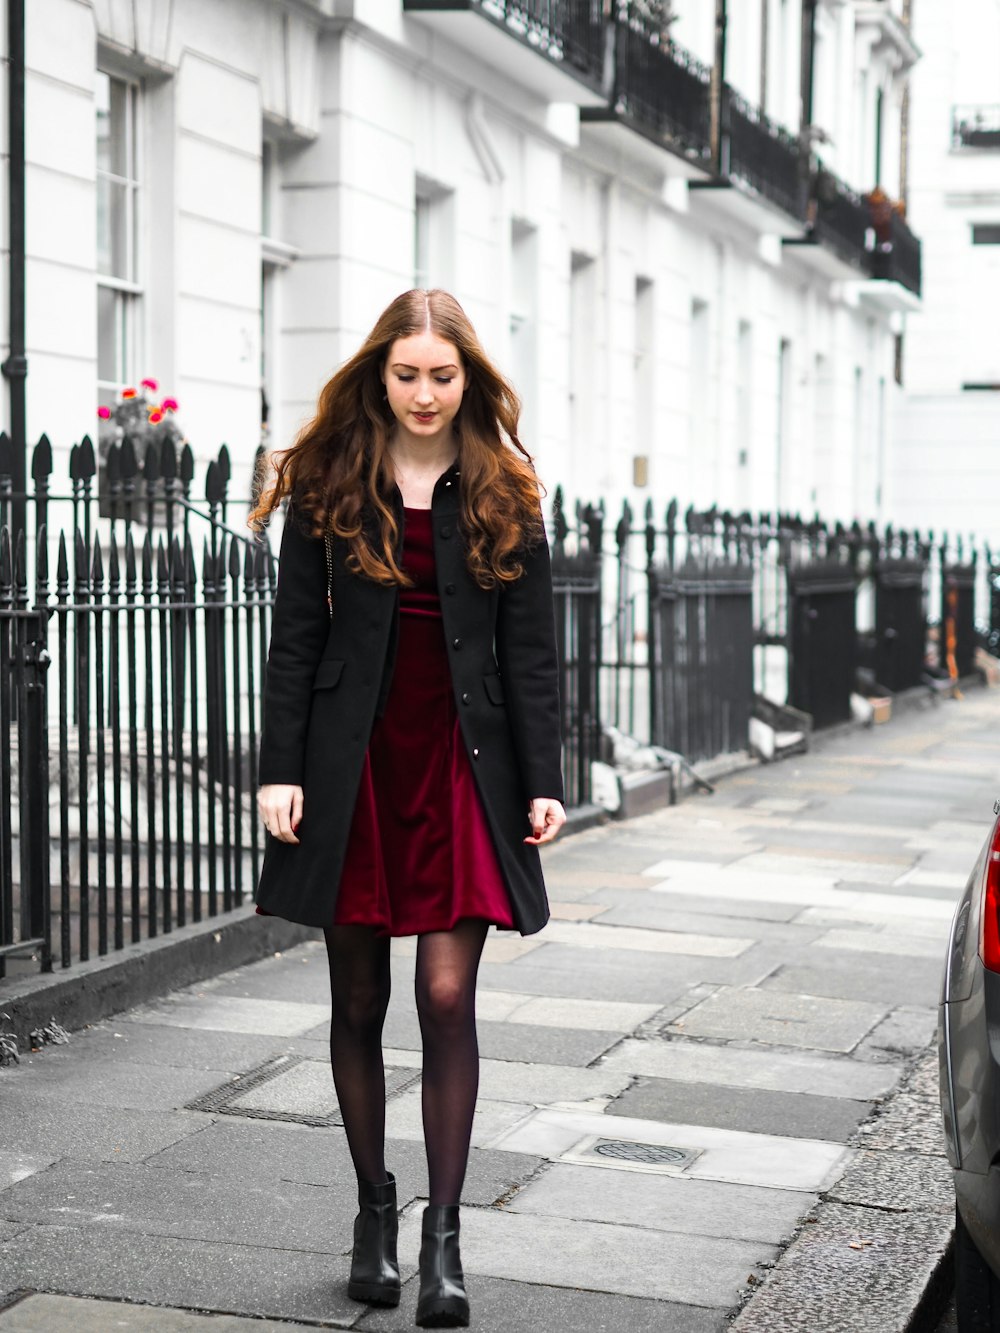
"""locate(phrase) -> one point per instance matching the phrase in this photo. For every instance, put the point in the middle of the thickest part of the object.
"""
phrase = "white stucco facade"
(946, 471)
(640, 318)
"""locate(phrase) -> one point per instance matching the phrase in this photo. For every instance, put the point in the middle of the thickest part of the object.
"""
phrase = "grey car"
(969, 1050)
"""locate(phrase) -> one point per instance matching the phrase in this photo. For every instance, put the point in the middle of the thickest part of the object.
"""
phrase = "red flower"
(151, 385)
(168, 405)
(128, 393)
(104, 413)
(155, 417)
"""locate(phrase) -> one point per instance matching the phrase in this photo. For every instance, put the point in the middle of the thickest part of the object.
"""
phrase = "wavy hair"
(338, 472)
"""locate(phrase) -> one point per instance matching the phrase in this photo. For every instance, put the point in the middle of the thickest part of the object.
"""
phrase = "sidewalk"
(724, 1032)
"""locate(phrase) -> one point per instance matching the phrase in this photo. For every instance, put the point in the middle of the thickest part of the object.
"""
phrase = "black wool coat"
(328, 679)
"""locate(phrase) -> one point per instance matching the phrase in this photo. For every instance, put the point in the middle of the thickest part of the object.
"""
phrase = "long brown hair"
(339, 464)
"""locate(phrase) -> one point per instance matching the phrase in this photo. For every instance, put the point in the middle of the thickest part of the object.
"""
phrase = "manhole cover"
(291, 1087)
(631, 1155)
(654, 1153)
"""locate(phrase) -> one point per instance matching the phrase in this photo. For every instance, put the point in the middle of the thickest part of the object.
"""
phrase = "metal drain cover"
(631, 1155)
(292, 1088)
(654, 1153)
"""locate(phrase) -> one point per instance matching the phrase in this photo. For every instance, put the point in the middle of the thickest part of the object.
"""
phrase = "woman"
(410, 753)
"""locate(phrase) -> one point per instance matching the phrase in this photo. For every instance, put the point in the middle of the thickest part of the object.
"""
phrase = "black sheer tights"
(447, 962)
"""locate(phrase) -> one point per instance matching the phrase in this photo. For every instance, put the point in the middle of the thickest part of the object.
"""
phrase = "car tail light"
(989, 919)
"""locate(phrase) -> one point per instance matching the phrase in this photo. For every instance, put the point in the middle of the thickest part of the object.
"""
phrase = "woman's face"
(424, 380)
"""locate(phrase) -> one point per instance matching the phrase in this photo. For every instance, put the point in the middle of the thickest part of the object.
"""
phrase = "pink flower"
(104, 413)
(151, 385)
(168, 405)
(155, 418)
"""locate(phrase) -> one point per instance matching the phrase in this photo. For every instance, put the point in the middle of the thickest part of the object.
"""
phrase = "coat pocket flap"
(328, 674)
(494, 689)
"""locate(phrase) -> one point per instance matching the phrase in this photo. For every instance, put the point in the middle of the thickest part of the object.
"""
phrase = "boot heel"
(442, 1302)
(374, 1268)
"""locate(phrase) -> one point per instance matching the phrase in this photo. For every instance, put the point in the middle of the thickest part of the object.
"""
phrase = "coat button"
(466, 698)
(446, 531)
(475, 754)
(456, 644)
(450, 589)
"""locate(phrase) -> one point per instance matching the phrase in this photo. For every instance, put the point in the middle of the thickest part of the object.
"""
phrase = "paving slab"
(44, 1313)
(234, 1013)
(115, 1084)
(733, 1066)
(904, 1032)
(769, 1015)
(733, 1155)
(186, 1048)
(500, 1306)
(663, 1203)
(885, 979)
(272, 1282)
(15, 1166)
(794, 1115)
(590, 935)
(628, 1260)
(404, 1118)
(542, 1085)
(511, 1040)
(50, 1126)
(559, 1012)
(126, 1197)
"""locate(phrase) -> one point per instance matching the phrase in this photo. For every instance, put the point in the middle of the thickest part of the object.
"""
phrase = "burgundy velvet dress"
(419, 856)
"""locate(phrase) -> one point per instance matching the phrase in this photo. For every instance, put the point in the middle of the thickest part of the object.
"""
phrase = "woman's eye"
(405, 379)
(445, 379)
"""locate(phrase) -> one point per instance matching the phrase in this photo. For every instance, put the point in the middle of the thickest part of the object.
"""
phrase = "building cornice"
(887, 32)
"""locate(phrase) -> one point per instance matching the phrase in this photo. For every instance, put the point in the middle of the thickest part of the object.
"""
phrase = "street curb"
(92, 991)
(876, 1250)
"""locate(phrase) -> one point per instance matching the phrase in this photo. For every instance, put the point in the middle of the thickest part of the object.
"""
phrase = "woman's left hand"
(547, 818)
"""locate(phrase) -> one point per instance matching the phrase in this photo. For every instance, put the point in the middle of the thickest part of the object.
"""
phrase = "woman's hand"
(280, 808)
(547, 818)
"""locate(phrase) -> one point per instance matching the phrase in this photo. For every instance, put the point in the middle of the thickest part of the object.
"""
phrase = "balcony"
(760, 180)
(839, 235)
(569, 38)
(896, 257)
(975, 127)
(660, 92)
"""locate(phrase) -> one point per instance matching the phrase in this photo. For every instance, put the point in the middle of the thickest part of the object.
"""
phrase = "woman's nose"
(425, 393)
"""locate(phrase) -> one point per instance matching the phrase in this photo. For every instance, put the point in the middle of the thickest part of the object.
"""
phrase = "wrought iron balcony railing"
(570, 33)
(661, 87)
(761, 154)
(840, 219)
(896, 256)
(975, 127)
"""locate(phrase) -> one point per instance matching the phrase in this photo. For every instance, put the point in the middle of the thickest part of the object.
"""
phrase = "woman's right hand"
(280, 808)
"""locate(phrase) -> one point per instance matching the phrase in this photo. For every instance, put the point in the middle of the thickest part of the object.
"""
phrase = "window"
(118, 195)
(986, 233)
(644, 367)
(524, 318)
(433, 235)
(744, 393)
(582, 367)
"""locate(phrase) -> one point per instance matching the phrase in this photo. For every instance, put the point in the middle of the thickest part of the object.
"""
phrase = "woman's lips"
(425, 416)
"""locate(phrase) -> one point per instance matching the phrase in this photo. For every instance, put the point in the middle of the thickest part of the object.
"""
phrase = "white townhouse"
(652, 211)
(946, 466)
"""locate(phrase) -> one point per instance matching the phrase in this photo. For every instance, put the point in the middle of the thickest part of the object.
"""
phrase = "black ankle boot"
(374, 1268)
(442, 1302)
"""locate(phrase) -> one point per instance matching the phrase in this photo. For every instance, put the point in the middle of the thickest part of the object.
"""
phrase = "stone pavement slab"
(226, 1276)
(499, 1306)
(785, 1019)
(664, 1203)
(42, 1313)
(234, 1013)
(896, 980)
(53, 1126)
(630, 1260)
(796, 1115)
(733, 1066)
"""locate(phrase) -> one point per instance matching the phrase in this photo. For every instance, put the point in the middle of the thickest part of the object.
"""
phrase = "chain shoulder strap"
(328, 545)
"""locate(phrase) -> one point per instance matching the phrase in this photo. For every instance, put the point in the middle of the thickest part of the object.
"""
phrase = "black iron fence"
(133, 648)
(840, 218)
(898, 257)
(132, 652)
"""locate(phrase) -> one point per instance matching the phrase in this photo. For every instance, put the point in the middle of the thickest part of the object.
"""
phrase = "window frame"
(127, 291)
